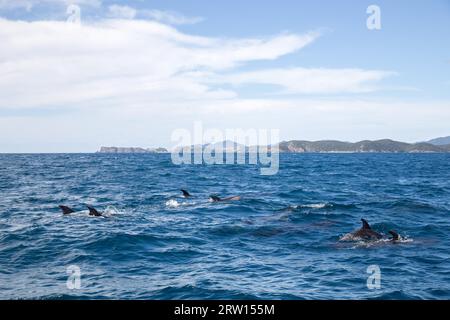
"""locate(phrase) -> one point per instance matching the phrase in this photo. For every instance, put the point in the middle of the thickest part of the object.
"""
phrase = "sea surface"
(281, 241)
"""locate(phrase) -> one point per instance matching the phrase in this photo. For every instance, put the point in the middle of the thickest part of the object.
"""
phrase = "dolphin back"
(215, 198)
(93, 212)
(66, 210)
(185, 193)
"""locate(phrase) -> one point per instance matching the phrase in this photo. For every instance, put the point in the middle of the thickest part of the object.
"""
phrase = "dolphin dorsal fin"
(93, 212)
(365, 224)
(395, 235)
(185, 193)
(215, 198)
(66, 210)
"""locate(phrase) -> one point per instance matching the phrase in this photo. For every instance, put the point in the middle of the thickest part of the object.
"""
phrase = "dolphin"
(217, 199)
(94, 212)
(365, 233)
(66, 210)
(185, 193)
(395, 236)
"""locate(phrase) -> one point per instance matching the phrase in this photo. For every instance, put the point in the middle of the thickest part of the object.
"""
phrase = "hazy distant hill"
(333, 146)
(440, 141)
(386, 145)
(302, 146)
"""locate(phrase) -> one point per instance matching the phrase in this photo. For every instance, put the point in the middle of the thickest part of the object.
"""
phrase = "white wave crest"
(317, 205)
(172, 203)
(311, 206)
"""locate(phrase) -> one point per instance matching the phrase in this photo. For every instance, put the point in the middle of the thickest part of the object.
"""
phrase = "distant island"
(440, 141)
(323, 146)
(366, 146)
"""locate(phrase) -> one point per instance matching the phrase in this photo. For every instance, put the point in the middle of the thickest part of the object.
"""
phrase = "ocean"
(282, 240)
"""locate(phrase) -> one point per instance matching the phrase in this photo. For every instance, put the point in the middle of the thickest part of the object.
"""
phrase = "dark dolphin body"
(213, 198)
(217, 199)
(395, 236)
(366, 233)
(92, 211)
(185, 193)
(66, 210)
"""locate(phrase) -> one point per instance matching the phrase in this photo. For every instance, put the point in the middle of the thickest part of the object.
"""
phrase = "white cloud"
(49, 63)
(171, 17)
(312, 81)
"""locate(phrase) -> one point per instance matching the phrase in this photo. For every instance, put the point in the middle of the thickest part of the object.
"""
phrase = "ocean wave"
(313, 206)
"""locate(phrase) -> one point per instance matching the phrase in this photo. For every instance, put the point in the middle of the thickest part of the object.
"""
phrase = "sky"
(130, 73)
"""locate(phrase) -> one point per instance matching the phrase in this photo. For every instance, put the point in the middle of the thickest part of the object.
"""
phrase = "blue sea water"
(281, 241)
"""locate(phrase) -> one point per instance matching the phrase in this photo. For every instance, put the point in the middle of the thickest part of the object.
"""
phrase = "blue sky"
(309, 68)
